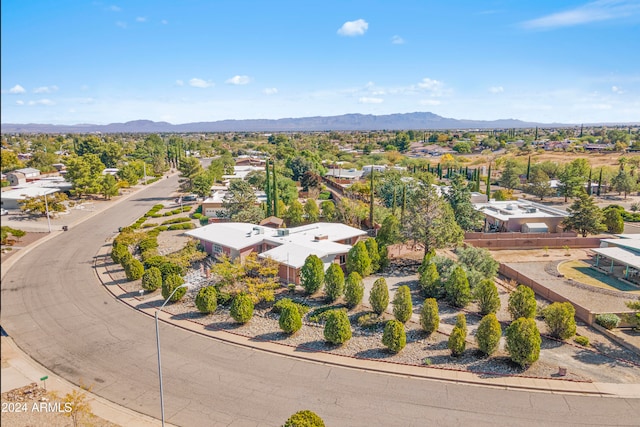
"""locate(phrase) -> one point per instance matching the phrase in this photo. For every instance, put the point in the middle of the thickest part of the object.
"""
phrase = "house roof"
(620, 255)
(506, 210)
(27, 192)
(294, 255)
(239, 235)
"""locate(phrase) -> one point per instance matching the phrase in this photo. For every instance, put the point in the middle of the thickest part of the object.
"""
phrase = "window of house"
(343, 259)
(217, 249)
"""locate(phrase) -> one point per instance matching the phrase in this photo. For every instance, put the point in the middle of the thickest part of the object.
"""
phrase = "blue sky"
(69, 61)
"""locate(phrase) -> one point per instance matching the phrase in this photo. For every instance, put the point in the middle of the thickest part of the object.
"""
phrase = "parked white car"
(3, 211)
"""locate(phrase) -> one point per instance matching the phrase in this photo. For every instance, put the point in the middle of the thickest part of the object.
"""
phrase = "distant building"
(289, 247)
(11, 199)
(29, 173)
(16, 178)
(520, 216)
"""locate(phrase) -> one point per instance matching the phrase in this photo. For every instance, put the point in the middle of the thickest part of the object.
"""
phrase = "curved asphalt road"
(56, 310)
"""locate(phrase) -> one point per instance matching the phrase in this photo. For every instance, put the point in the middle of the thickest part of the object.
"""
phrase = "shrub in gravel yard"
(608, 320)
(457, 288)
(379, 296)
(280, 304)
(337, 329)
(402, 305)
(523, 341)
(430, 281)
(394, 336)
(429, 318)
(168, 268)
(304, 419)
(456, 343)
(334, 282)
(290, 320)
(147, 244)
(522, 303)
(582, 340)
(312, 274)
(488, 334)
(560, 320)
(358, 259)
(354, 290)
(152, 279)
(486, 293)
(171, 282)
(133, 269)
(241, 308)
(207, 299)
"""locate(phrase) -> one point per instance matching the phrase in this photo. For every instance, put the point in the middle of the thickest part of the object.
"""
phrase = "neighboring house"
(272, 222)
(347, 174)
(110, 171)
(16, 178)
(241, 172)
(216, 201)
(475, 196)
(11, 199)
(29, 173)
(520, 216)
(290, 247)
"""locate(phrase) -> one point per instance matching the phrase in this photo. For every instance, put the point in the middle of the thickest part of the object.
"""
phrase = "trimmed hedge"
(290, 320)
(207, 299)
(241, 308)
(337, 329)
(394, 336)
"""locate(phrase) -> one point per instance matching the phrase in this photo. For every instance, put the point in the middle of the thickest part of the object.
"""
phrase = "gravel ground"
(583, 364)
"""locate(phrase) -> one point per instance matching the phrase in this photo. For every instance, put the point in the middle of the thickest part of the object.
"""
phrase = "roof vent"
(321, 237)
(510, 207)
(283, 232)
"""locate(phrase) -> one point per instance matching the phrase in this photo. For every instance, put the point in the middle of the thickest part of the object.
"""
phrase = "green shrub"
(457, 288)
(169, 267)
(430, 281)
(457, 340)
(312, 274)
(126, 259)
(133, 269)
(522, 303)
(354, 290)
(241, 308)
(368, 321)
(429, 317)
(334, 282)
(402, 305)
(304, 419)
(154, 261)
(320, 314)
(149, 225)
(337, 329)
(183, 226)
(608, 320)
(196, 215)
(290, 320)
(560, 320)
(161, 228)
(523, 341)
(302, 309)
(118, 252)
(152, 279)
(147, 244)
(374, 253)
(582, 340)
(379, 296)
(207, 299)
(176, 220)
(324, 195)
(358, 259)
(486, 293)
(169, 284)
(488, 334)
(394, 336)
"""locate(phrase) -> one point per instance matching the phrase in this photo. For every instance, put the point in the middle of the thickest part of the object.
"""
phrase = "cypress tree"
(528, 168)
(275, 191)
(599, 183)
(404, 202)
(589, 187)
(371, 200)
(536, 138)
(489, 183)
(393, 206)
(268, 191)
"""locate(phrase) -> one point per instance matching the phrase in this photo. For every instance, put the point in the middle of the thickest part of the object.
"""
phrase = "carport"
(612, 255)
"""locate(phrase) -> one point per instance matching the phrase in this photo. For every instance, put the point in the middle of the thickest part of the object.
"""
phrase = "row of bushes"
(176, 220)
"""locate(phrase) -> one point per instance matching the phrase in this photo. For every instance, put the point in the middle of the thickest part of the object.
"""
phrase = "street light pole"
(158, 345)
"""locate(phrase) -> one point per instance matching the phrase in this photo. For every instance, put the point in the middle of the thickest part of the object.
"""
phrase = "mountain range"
(345, 122)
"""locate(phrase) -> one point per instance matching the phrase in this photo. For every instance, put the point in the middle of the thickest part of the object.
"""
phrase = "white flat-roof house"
(520, 216)
(290, 247)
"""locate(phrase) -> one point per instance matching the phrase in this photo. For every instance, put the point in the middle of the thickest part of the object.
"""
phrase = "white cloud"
(20, 102)
(45, 89)
(496, 89)
(617, 89)
(599, 10)
(429, 102)
(141, 19)
(270, 91)
(397, 40)
(195, 82)
(238, 80)
(179, 82)
(431, 85)
(121, 24)
(164, 22)
(42, 102)
(17, 89)
(369, 100)
(353, 28)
